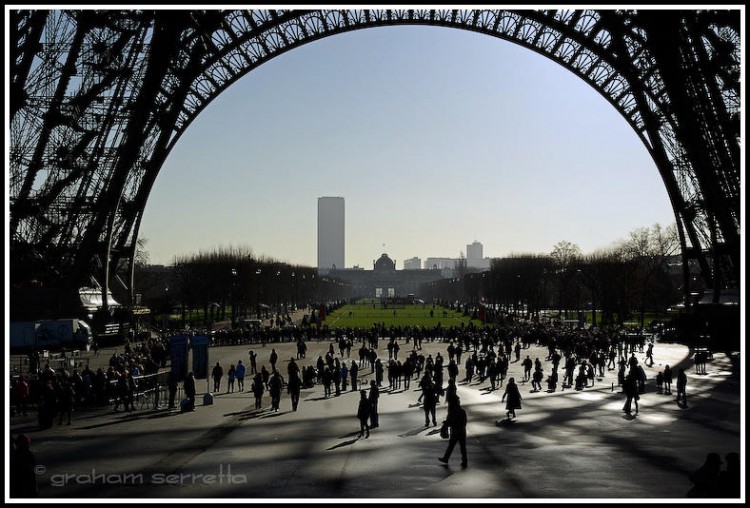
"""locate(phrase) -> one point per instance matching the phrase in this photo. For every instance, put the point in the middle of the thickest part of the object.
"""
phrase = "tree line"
(639, 275)
(636, 276)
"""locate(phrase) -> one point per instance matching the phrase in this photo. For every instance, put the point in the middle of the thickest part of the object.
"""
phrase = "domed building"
(384, 264)
(384, 280)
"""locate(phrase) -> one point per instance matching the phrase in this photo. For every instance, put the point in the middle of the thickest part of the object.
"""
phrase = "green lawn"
(363, 315)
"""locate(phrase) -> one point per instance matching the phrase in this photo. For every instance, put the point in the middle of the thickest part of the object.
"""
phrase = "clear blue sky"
(434, 136)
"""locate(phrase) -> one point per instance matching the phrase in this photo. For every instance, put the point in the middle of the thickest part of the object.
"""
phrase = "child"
(659, 382)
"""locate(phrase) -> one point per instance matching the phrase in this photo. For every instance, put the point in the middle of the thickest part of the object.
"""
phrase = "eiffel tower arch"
(98, 99)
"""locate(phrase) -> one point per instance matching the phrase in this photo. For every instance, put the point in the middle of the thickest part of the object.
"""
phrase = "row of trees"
(229, 283)
(636, 276)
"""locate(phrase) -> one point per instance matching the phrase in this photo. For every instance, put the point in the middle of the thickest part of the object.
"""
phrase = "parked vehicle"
(50, 334)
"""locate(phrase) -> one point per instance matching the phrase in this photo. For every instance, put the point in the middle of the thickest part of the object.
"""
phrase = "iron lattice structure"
(98, 98)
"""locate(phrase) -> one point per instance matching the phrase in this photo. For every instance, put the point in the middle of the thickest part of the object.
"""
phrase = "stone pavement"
(563, 445)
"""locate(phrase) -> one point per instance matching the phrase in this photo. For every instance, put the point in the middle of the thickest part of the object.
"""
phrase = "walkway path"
(563, 445)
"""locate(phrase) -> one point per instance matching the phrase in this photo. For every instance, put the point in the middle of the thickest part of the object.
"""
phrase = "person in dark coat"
(667, 380)
(514, 398)
(275, 385)
(682, 387)
(456, 421)
(293, 387)
(373, 397)
(429, 399)
(259, 386)
(189, 388)
(23, 475)
(217, 373)
(706, 478)
(353, 370)
(363, 414)
(631, 393)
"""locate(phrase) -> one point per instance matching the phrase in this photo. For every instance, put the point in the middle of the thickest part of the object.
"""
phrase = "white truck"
(50, 334)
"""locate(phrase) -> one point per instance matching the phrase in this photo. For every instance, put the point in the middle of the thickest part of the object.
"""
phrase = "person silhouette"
(456, 421)
(514, 398)
(706, 478)
(23, 473)
(363, 414)
(730, 479)
(682, 388)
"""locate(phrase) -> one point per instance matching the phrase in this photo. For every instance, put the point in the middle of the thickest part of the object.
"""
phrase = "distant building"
(384, 280)
(412, 264)
(440, 263)
(475, 256)
(474, 252)
(330, 233)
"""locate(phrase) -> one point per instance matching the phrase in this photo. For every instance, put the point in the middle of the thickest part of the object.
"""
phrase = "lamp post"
(233, 297)
(257, 293)
(579, 305)
(294, 296)
(278, 286)
(517, 300)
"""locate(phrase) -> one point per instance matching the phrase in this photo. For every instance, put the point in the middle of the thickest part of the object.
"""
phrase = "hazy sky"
(434, 136)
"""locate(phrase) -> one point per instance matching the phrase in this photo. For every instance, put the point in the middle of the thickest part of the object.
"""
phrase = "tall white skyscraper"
(330, 233)
(474, 252)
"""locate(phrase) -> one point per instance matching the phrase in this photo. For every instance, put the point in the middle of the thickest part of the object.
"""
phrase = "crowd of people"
(392, 357)
(56, 393)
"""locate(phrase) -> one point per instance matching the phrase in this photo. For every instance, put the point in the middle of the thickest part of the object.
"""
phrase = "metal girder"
(100, 97)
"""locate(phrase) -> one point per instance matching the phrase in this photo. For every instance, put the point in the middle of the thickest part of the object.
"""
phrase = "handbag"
(445, 432)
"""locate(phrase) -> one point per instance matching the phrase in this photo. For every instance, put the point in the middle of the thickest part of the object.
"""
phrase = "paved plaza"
(563, 445)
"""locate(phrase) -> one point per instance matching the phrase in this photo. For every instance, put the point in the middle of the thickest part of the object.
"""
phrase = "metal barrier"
(151, 392)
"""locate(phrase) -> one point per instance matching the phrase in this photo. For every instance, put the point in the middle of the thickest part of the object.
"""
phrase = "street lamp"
(257, 292)
(233, 298)
(294, 283)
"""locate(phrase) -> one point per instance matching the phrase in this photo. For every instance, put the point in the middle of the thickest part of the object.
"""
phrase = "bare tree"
(651, 249)
(565, 258)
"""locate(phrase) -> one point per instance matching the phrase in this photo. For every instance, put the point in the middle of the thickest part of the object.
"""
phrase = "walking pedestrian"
(275, 385)
(231, 376)
(253, 361)
(429, 399)
(514, 398)
(258, 387)
(650, 355)
(456, 421)
(682, 388)
(273, 359)
(667, 380)
(293, 388)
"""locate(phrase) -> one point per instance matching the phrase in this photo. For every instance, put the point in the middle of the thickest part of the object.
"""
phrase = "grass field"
(365, 313)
